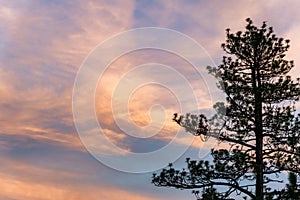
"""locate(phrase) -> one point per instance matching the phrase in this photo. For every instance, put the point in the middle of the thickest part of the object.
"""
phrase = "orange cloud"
(44, 45)
(137, 111)
(16, 189)
(45, 52)
(23, 181)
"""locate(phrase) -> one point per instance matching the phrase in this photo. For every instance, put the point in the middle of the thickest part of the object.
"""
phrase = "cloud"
(26, 173)
(43, 44)
(29, 182)
(16, 189)
(206, 21)
(147, 110)
(46, 46)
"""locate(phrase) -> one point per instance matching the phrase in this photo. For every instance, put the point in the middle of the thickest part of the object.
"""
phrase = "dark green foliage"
(258, 122)
(292, 189)
(208, 194)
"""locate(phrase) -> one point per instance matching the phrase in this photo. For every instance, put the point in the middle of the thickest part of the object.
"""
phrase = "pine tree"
(260, 125)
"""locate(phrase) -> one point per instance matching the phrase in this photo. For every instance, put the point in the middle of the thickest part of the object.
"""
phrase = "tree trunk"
(258, 132)
(259, 168)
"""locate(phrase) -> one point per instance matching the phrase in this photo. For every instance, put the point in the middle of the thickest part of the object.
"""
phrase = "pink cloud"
(44, 43)
(29, 182)
(48, 42)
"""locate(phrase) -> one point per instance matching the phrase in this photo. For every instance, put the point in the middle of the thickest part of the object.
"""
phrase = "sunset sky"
(43, 44)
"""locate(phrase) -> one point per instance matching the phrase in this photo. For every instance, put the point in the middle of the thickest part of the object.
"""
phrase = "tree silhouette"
(260, 126)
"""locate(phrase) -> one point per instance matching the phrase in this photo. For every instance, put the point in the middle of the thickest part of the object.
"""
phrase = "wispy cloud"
(42, 45)
(29, 182)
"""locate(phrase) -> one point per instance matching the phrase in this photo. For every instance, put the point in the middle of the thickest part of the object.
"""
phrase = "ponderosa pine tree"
(260, 125)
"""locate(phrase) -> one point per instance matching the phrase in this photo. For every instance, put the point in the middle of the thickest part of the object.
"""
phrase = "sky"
(55, 143)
